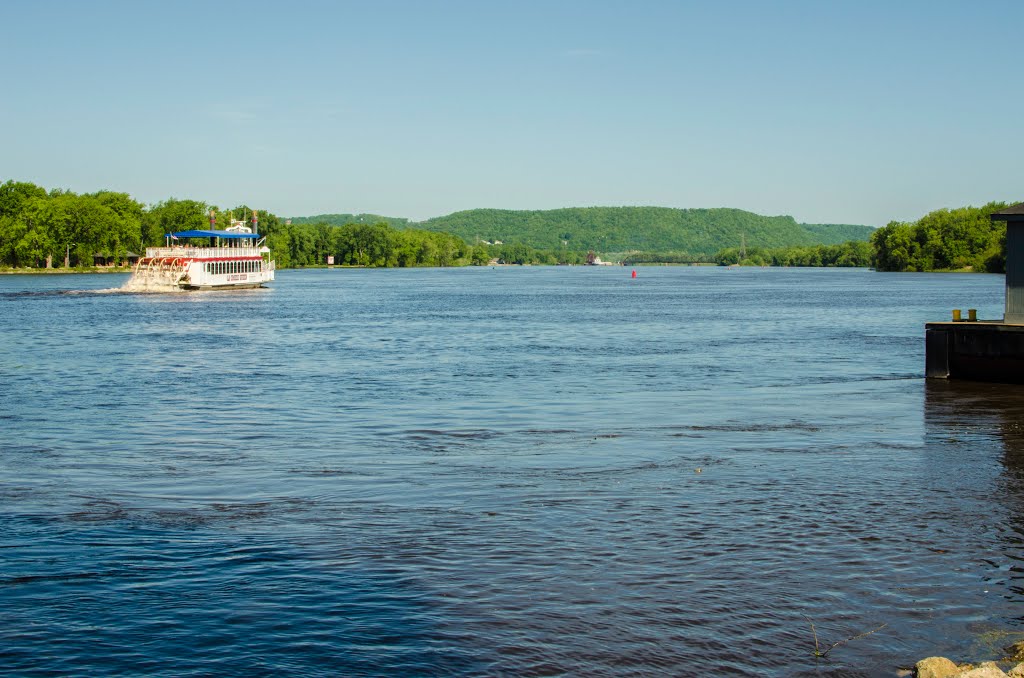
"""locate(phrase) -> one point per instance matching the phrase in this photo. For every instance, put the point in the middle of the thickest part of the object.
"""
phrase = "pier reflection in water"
(965, 423)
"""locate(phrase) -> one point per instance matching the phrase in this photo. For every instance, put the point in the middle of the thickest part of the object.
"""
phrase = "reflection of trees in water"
(981, 415)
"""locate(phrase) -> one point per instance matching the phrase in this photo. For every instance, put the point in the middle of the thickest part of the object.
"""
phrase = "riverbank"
(65, 271)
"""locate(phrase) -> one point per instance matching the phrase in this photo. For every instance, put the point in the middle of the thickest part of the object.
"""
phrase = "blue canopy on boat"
(228, 235)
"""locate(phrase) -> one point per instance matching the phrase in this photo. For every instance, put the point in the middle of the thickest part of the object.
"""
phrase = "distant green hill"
(647, 229)
(342, 219)
(836, 234)
(620, 229)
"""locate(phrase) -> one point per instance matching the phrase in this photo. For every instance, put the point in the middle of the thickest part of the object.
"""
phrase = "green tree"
(171, 216)
(14, 193)
(962, 238)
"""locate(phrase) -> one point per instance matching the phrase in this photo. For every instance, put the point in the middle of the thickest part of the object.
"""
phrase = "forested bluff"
(39, 228)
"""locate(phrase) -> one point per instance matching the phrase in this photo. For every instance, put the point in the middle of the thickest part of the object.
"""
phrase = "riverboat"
(234, 258)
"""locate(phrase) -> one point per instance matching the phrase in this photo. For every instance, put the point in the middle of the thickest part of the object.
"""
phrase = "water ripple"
(500, 472)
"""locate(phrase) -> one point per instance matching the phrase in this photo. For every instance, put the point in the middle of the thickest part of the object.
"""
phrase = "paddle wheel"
(162, 271)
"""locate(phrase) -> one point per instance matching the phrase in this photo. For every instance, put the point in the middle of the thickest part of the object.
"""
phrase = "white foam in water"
(147, 282)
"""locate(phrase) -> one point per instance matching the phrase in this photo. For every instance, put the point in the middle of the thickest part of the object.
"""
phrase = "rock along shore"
(941, 667)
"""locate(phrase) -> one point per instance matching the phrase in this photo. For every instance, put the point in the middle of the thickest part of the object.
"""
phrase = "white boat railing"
(203, 252)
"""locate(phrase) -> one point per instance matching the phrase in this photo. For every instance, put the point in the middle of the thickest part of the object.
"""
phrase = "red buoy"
(634, 272)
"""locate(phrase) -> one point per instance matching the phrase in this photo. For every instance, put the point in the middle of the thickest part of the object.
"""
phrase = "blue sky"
(842, 112)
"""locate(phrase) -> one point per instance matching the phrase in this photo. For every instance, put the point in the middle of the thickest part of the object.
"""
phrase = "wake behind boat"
(206, 260)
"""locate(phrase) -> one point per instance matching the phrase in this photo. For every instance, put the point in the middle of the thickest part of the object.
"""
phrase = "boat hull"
(229, 286)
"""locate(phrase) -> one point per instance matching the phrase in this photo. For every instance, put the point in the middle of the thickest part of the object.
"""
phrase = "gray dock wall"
(981, 351)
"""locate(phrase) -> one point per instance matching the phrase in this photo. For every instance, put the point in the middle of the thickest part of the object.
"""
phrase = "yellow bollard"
(972, 315)
(956, 315)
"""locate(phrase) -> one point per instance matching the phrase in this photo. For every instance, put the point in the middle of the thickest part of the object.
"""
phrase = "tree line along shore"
(50, 229)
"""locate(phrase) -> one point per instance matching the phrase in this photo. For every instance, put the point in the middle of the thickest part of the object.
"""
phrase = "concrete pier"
(978, 351)
(987, 350)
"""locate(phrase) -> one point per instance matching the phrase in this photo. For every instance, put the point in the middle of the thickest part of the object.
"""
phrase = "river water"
(502, 471)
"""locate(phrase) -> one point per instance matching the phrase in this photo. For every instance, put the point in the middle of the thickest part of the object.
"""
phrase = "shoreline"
(65, 271)
(128, 269)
